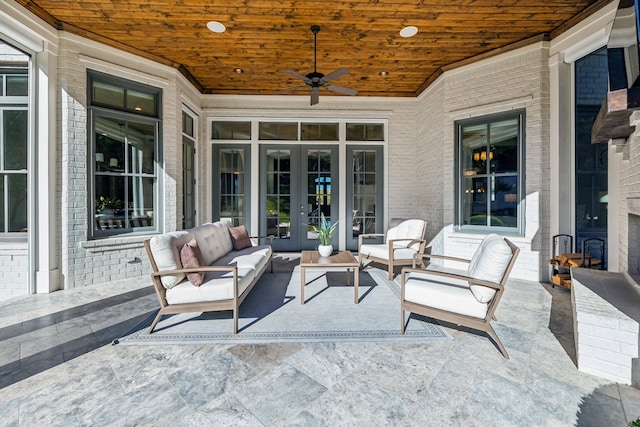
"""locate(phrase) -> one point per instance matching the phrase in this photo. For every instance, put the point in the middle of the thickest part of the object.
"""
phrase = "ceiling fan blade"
(291, 89)
(315, 95)
(335, 74)
(341, 89)
(297, 75)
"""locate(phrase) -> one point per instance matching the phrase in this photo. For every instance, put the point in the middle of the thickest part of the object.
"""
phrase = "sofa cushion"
(166, 253)
(240, 238)
(214, 241)
(255, 257)
(489, 263)
(217, 286)
(191, 257)
(443, 293)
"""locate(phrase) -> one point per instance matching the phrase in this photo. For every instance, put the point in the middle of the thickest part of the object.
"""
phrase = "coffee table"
(341, 261)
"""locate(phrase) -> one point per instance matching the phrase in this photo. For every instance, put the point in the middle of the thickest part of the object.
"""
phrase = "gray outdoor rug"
(272, 313)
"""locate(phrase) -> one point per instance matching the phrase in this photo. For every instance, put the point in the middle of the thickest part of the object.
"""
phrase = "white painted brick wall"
(607, 340)
(514, 80)
(14, 270)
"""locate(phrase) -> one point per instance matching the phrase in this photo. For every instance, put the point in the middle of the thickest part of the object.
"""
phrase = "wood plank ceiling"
(264, 37)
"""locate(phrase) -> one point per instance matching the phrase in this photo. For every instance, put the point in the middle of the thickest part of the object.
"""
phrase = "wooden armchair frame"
(391, 262)
(482, 324)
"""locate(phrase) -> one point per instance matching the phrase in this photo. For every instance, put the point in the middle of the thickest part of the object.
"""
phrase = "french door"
(298, 183)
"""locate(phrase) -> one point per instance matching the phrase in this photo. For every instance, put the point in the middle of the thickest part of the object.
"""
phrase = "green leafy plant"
(108, 203)
(635, 423)
(325, 231)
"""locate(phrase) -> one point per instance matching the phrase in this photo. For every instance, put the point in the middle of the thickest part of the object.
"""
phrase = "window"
(490, 171)
(231, 130)
(124, 154)
(14, 134)
(188, 172)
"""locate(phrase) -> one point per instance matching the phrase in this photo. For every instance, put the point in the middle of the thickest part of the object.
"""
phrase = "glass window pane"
(17, 202)
(474, 150)
(141, 143)
(319, 131)
(231, 130)
(17, 85)
(365, 132)
(15, 139)
(140, 201)
(2, 206)
(143, 103)
(474, 201)
(187, 124)
(504, 202)
(504, 146)
(278, 131)
(110, 143)
(109, 203)
(107, 95)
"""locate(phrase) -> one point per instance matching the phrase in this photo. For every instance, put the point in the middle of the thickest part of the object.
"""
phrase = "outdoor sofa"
(212, 267)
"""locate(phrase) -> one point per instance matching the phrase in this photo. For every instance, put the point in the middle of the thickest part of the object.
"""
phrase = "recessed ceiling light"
(409, 31)
(238, 70)
(383, 73)
(216, 27)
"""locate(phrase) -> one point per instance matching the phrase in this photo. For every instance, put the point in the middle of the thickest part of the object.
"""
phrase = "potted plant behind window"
(325, 231)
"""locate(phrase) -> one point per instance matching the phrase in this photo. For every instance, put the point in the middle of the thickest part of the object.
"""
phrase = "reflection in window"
(489, 162)
(124, 156)
(14, 91)
(364, 191)
(278, 187)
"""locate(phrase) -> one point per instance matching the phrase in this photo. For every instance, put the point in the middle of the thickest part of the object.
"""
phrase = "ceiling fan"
(316, 80)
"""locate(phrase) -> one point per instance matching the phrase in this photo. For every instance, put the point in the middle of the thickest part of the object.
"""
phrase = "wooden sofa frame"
(452, 317)
(230, 304)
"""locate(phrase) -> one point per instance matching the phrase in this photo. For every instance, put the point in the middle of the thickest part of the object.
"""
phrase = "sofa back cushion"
(407, 229)
(489, 262)
(166, 253)
(214, 241)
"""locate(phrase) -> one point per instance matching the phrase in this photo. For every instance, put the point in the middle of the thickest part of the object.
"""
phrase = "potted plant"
(325, 231)
(108, 205)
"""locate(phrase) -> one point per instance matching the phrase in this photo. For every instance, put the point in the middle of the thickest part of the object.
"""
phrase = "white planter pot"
(325, 250)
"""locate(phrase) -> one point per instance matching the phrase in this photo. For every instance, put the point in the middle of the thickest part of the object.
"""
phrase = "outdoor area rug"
(272, 313)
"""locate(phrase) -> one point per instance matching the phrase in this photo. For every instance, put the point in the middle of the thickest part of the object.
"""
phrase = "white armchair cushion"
(409, 229)
(444, 293)
(166, 252)
(489, 262)
(382, 251)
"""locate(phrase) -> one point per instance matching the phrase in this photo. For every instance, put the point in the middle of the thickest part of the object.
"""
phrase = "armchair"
(467, 299)
(401, 243)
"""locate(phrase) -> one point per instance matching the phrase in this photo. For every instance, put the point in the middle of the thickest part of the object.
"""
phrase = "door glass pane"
(232, 185)
(474, 150)
(278, 174)
(15, 139)
(17, 85)
(278, 131)
(364, 192)
(143, 103)
(319, 188)
(108, 95)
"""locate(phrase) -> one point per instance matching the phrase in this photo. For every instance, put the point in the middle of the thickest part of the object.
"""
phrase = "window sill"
(115, 243)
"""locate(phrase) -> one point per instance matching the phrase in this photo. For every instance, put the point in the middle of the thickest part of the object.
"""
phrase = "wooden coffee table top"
(341, 259)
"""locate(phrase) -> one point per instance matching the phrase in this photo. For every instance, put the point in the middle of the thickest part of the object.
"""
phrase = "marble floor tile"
(58, 368)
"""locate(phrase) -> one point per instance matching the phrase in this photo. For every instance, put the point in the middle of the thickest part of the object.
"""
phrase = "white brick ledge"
(606, 320)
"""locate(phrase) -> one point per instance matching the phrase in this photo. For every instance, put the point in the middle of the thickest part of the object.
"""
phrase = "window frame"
(520, 115)
(128, 116)
(14, 103)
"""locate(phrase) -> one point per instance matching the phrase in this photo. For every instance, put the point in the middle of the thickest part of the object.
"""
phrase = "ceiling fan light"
(409, 31)
(216, 27)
